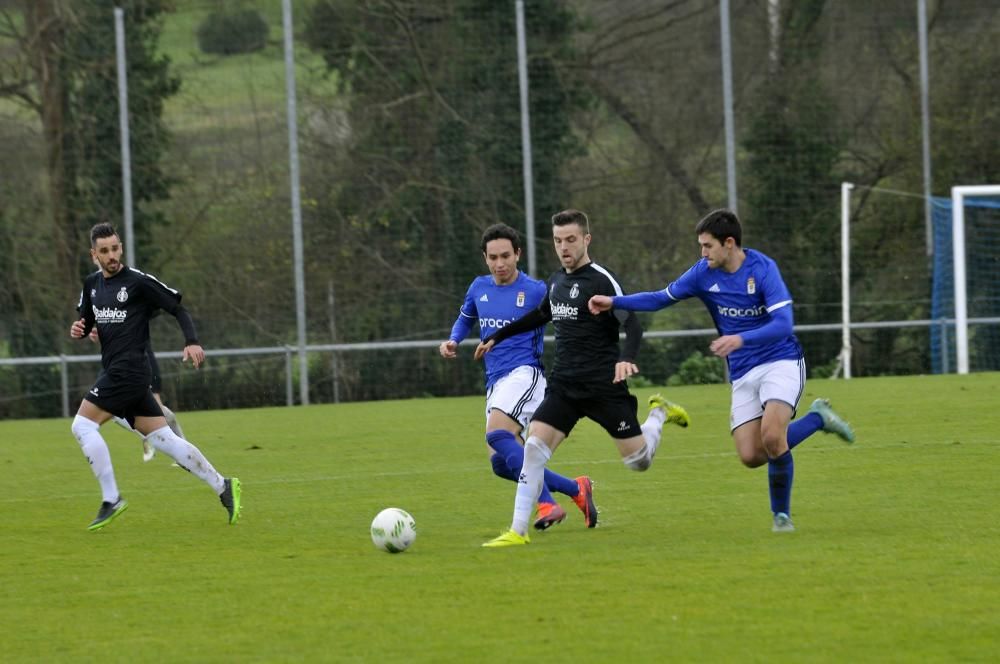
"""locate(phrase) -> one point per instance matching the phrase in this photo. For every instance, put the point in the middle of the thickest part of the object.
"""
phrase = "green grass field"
(895, 558)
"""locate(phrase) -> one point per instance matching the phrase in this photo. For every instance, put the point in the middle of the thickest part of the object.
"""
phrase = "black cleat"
(230, 498)
(108, 513)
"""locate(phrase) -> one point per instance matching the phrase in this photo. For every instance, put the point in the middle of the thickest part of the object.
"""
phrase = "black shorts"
(613, 407)
(125, 400)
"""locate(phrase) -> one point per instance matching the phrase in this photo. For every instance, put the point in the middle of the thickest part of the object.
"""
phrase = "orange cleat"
(549, 514)
(585, 500)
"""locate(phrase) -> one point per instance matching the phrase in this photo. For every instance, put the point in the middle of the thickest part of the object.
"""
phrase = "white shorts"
(517, 394)
(782, 380)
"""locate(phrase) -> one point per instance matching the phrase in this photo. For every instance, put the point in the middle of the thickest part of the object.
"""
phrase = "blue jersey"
(740, 303)
(493, 307)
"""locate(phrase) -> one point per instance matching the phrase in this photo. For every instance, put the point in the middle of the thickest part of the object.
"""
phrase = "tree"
(434, 152)
(60, 64)
(66, 73)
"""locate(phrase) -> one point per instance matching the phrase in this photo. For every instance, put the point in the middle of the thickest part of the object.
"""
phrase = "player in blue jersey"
(515, 379)
(752, 310)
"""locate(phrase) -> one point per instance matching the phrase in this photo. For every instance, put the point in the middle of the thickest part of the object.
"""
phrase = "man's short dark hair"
(571, 216)
(721, 224)
(502, 232)
(101, 230)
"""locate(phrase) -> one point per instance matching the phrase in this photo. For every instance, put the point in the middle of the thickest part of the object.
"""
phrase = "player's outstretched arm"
(600, 303)
(483, 348)
(195, 353)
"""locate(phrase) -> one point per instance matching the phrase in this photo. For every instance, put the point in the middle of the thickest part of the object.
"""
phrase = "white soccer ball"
(393, 530)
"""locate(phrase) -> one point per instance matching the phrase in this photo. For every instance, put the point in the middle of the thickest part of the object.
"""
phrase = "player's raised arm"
(647, 301)
(535, 318)
(600, 303)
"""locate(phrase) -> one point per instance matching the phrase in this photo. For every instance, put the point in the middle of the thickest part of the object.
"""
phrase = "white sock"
(88, 434)
(172, 422)
(187, 456)
(123, 423)
(652, 430)
(529, 484)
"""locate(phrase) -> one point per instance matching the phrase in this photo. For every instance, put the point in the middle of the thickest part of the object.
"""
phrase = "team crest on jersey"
(122, 295)
(520, 298)
(574, 291)
(751, 286)
(93, 292)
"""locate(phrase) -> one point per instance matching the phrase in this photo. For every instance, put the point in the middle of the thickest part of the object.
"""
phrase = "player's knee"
(638, 465)
(536, 451)
(82, 426)
(638, 461)
(499, 465)
(164, 439)
(774, 444)
(752, 459)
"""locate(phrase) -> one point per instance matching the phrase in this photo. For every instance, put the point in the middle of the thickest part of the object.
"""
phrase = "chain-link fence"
(410, 142)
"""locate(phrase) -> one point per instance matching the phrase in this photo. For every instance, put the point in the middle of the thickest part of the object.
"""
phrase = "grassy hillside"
(894, 558)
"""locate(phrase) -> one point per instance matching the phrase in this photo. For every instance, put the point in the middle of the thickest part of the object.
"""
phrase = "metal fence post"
(289, 392)
(64, 374)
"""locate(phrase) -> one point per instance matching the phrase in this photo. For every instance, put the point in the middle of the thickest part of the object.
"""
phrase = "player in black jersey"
(120, 300)
(588, 378)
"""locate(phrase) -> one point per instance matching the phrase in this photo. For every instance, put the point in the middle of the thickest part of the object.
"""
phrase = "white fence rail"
(289, 352)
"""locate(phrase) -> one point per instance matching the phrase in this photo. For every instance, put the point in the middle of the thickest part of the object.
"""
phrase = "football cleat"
(549, 514)
(832, 423)
(509, 538)
(230, 499)
(585, 500)
(675, 412)
(782, 524)
(108, 513)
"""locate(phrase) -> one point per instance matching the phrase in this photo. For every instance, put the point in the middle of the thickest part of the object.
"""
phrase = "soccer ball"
(393, 530)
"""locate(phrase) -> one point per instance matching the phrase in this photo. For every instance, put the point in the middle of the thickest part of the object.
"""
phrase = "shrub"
(698, 369)
(228, 33)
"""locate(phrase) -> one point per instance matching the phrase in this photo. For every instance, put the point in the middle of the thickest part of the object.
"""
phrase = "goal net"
(965, 299)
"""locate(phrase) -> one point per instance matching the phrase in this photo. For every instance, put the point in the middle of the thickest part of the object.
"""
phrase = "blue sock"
(500, 468)
(505, 444)
(803, 427)
(780, 472)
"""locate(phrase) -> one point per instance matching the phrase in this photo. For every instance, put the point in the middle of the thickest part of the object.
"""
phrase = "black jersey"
(121, 307)
(586, 345)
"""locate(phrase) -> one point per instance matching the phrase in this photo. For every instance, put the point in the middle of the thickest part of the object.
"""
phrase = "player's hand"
(93, 334)
(599, 303)
(195, 353)
(447, 349)
(76, 329)
(623, 370)
(725, 345)
(483, 348)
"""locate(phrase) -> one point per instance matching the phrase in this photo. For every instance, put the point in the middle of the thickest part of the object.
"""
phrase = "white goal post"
(958, 196)
(844, 361)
